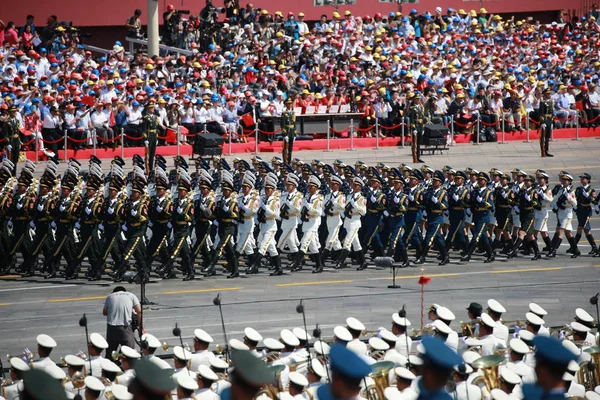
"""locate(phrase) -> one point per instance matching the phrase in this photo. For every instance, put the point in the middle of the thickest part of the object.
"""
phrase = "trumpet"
(77, 380)
(26, 356)
(6, 382)
(116, 355)
(468, 328)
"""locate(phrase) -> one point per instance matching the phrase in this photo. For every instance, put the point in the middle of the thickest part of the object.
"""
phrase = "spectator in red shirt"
(27, 38)
(11, 34)
(2, 27)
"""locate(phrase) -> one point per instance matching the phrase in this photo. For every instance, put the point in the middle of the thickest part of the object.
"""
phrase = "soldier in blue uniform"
(481, 204)
(528, 202)
(435, 202)
(458, 196)
(159, 216)
(503, 209)
(438, 362)
(348, 372)
(586, 198)
(376, 204)
(397, 201)
(414, 211)
(20, 212)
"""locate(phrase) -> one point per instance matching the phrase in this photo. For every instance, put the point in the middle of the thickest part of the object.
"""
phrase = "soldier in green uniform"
(12, 133)
(204, 206)
(181, 221)
(113, 215)
(416, 117)
(288, 131)
(159, 216)
(134, 228)
(546, 121)
(66, 215)
(43, 214)
(20, 213)
(150, 135)
(6, 197)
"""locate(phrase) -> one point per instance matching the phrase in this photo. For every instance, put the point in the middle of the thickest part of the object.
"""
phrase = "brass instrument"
(425, 331)
(589, 372)
(26, 356)
(468, 328)
(308, 394)
(270, 390)
(116, 355)
(489, 366)
(77, 380)
(6, 382)
(381, 379)
(272, 356)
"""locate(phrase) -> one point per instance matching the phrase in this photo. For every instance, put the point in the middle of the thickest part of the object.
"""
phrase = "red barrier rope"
(108, 140)
(590, 121)
(270, 133)
(250, 132)
(492, 124)
(77, 140)
(340, 132)
(53, 141)
(468, 125)
(133, 138)
(389, 128)
(365, 129)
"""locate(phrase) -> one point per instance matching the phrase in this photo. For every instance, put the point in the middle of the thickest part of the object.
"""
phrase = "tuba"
(381, 379)
(589, 372)
(489, 366)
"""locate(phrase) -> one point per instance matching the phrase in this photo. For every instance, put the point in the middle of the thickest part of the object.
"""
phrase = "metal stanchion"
(528, 129)
(328, 138)
(351, 135)
(65, 158)
(503, 141)
(178, 138)
(376, 133)
(229, 144)
(576, 127)
(94, 139)
(255, 132)
(122, 144)
(451, 131)
(402, 125)
(476, 141)
(37, 151)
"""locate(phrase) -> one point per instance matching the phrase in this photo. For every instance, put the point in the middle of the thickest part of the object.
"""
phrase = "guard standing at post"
(435, 201)
(546, 121)
(288, 131)
(12, 133)
(416, 119)
(150, 135)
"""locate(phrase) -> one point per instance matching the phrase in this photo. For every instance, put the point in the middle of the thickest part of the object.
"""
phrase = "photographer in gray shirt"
(118, 309)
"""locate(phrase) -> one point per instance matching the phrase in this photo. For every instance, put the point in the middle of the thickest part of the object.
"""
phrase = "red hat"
(170, 7)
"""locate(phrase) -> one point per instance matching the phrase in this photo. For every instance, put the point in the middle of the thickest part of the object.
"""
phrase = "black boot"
(277, 264)
(555, 245)
(536, 250)
(421, 256)
(444, 257)
(323, 256)
(298, 261)
(515, 248)
(469, 253)
(549, 246)
(253, 268)
(211, 265)
(233, 267)
(362, 264)
(319, 263)
(592, 243)
(340, 263)
(547, 242)
(576, 252)
(403, 257)
(491, 256)
(577, 239)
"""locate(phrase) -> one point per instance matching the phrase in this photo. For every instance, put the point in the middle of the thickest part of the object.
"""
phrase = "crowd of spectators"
(464, 66)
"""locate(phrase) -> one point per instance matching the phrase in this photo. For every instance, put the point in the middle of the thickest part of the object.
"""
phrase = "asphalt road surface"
(32, 306)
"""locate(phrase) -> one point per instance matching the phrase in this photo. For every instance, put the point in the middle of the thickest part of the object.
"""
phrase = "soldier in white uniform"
(96, 346)
(540, 312)
(518, 350)
(75, 365)
(219, 367)
(298, 383)
(17, 367)
(201, 355)
(128, 356)
(356, 207)
(355, 327)
(445, 315)
(335, 204)
(186, 387)
(312, 208)
(251, 339)
(316, 373)
(205, 378)
(248, 203)
(488, 342)
(564, 203)
(404, 383)
(45, 346)
(445, 333)
(181, 357)
(300, 354)
(495, 311)
(291, 204)
(464, 390)
(267, 218)
(94, 388)
(545, 199)
(400, 329)
(586, 319)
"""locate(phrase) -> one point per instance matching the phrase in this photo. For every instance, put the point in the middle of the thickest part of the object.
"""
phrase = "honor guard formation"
(276, 216)
(485, 358)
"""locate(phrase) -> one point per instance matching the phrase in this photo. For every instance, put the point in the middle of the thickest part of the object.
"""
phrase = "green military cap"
(149, 377)
(40, 385)
(251, 369)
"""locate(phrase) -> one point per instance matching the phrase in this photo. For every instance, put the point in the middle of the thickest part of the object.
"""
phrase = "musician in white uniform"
(464, 390)
(251, 339)
(201, 355)
(291, 203)
(181, 357)
(96, 346)
(205, 379)
(17, 367)
(400, 329)
(518, 350)
(298, 383)
(45, 346)
(75, 365)
(129, 356)
(540, 312)
(488, 342)
(186, 387)
(316, 374)
(220, 367)
(495, 311)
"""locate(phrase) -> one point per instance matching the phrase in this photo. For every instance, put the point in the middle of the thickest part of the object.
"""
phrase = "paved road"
(32, 306)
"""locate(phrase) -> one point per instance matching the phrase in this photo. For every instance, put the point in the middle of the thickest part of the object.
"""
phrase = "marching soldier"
(414, 212)
(435, 201)
(458, 196)
(134, 228)
(159, 217)
(396, 207)
(226, 212)
(356, 207)
(528, 203)
(416, 119)
(586, 198)
(564, 203)
(248, 205)
(12, 132)
(181, 219)
(335, 203)
(545, 197)
(503, 209)
(376, 204)
(204, 207)
(291, 204)
(266, 217)
(312, 209)
(150, 129)
(288, 131)
(481, 204)
(546, 121)
(21, 210)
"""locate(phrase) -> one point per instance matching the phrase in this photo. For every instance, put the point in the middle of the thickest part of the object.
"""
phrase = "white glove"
(9, 148)
(373, 199)
(386, 214)
(446, 213)
(468, 212)
(527, 197)
(505, 195)
(263, 206)
(543, 126)
(455, 197)
(10, 223)
(244, 208)
(225, 208)
(179, 210)
(411, 197)
(88, 210)
(101, 227)
(586, 194)
(62, 208)
(111, 210)
(434, 200)
(40, 207)
(150, 224)
(32, 224)
(19, 206)
(146, 143)
(170, 225)
(396, 200)
(424, 214)
(124, 228)
(53, 224)
(597, 209)
(516, 209)
(479, 199)
(216, 223)
(159, 209)
(77, 225)
(133, 213)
